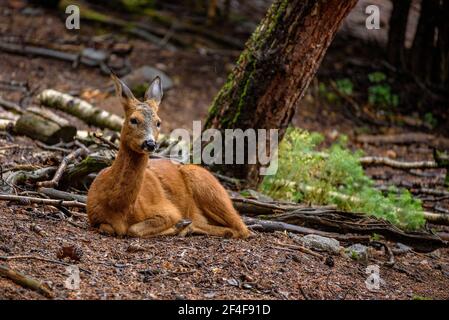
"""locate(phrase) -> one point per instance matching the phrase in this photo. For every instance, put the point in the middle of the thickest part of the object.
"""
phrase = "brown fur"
(140, 198)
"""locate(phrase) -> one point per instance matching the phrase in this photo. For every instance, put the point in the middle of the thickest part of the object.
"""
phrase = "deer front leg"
(156, 226)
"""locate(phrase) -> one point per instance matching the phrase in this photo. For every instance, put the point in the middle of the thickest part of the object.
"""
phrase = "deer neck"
(127, 173)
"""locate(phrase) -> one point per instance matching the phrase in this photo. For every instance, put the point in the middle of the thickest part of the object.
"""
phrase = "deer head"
(141, 128)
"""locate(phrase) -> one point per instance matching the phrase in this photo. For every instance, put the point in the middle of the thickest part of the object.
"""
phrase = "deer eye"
(134, 121)
(158, 124)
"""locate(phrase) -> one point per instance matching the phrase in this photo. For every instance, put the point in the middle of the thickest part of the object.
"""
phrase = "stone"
(320, 243)
(357, 252)
(143, 77)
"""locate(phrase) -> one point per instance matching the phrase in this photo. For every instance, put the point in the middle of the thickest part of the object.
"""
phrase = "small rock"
(93, 54)
(401, 248)
(320, 243)
(357, 252)
(247, 286)
(233, 282)
(143, 77)
(134, 247)
(210, 295)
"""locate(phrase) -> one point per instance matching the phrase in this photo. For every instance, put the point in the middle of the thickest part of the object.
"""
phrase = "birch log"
(45, 126)
(80, 109)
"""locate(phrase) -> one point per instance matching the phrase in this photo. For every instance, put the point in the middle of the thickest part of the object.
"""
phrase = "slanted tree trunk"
(275, 69)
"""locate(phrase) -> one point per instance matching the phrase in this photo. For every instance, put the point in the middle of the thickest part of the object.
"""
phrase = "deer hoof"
(183, 223)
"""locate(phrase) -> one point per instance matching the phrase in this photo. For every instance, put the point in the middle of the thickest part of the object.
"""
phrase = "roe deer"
(143, 198)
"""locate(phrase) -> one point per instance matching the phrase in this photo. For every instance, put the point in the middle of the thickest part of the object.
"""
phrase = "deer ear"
(121, 89)
(154, 91)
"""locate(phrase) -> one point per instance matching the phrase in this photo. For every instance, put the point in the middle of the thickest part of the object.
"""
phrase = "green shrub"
(430, 120)
(345, 86)
(380, 93)
(335, 176)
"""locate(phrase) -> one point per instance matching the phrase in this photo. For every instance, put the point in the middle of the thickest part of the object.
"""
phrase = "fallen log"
(93, 163)
(6, 125)
(25, 281)
(271, 226)
(347, 222)
(81, 109)
(336, 221)
(58, 194)
(29, 200)
(429, 216)
(398, 164)
(406, 138)
(132, 28)
(205, 32)
(45, 126)
(19, 177)
(87, 56)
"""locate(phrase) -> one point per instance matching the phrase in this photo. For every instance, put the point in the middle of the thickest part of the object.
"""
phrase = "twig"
(398, 164)
(271, 226)
(51, 148)
(100, 137)
(53, 202)
(58, 194)
(300, 248)
(65, 161)
(11, 106)
(15, 146)
(81, 145)
(6, 258)
(406, 138)
(22, 167)
(25, 281)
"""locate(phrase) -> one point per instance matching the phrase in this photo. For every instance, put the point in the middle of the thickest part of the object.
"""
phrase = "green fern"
(335, 176)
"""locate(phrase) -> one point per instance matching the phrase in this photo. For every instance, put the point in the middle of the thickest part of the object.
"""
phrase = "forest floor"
(197, 267)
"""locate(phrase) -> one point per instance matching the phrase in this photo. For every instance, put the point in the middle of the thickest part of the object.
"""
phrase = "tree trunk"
(441, 70)
(397, 31)
(275, 69)
(423, 45)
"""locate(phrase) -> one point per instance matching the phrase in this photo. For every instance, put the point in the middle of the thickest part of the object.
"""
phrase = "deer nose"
(149, 145)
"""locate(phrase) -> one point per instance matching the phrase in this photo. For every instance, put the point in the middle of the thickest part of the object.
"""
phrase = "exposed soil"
(198, 267)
